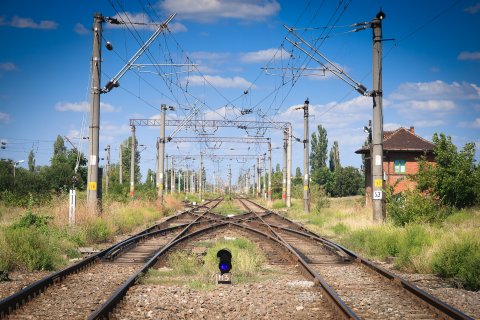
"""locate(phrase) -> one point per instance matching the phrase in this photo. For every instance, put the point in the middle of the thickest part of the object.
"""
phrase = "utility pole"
(269, 172)
(93, 144)
(258, 177)
(132, 165)
(120, 165)
(289, 166)
(172, 179)
(161, 160)
(284, 171)
(200, 177)
(166, 174)
(377, 134)
(230, 181)
(264, 177)
(107, 168)
(306, 165)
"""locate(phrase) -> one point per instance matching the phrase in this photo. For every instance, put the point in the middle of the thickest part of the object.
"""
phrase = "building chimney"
(412, 130)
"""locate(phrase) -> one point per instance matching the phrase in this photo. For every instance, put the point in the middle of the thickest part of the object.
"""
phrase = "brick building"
(401, 150)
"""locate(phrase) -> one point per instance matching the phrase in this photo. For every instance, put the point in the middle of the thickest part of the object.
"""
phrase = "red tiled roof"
(402, 139)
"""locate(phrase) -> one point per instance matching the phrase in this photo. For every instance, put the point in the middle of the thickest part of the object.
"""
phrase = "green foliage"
(347, 181)
(386, 241)
(279, 204)
(97, 230)
(126, 150)
(454, 179)
(319, 145)
(198, 270)
(413, 206)
(227, 207)
(334, 160)
(459, 258)
(318, 198)
(340, 228)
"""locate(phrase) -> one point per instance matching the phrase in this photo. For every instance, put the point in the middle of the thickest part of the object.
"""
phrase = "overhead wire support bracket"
(360, 88)
(114, 81)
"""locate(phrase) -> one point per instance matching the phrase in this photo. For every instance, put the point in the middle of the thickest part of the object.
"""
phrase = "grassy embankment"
(450, 248)
(39, 238)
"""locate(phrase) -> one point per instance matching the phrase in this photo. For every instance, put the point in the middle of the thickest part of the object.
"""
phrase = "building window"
(399, 166)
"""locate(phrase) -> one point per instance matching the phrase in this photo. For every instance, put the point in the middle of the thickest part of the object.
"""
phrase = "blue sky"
(431, 72)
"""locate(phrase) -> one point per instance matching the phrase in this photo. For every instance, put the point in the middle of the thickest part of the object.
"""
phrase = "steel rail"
(425, 297)
(19, 298)
(340, 305)
(104, 311)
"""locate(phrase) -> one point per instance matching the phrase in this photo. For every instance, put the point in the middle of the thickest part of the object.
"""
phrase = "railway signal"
(224, 265)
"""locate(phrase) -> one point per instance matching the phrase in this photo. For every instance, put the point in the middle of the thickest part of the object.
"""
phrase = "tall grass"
(198, 271)
(40, 237)
(447, 247)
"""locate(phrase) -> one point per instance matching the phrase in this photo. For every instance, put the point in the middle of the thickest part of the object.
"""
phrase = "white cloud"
(475, 124)
(219, 82)
(428, 123)
(4, 117)
(430, 105)
(264, 55)
(466, 55)
(142, 21)
(28, 23)
(436, 90)
(83, 106)
(8, 66)
(210, 10)
(80, 29)
(473, 9)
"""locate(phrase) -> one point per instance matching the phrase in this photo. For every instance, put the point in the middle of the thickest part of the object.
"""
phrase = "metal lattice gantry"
(286, 127)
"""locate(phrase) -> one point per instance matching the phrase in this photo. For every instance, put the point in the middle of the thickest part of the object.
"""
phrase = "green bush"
(340, 228)
(279, 204)
(97, 230)
(459, 258)
(28, 249)
(412, 206)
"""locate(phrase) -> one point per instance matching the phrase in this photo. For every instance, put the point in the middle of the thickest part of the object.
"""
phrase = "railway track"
(367, 291)
(78, 290)
(354, 287)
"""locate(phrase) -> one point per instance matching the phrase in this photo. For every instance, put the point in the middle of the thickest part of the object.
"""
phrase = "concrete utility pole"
(269, 172)
(259, 171)
(94, 129)
(107, 168)
(229, 180)
(306, 154)
(264, 177)
(377, 134)
(200, 177)
(161, 157)
(120, 165)
(132, 165)
(166, 174)
(284, 171)
(289, 167)
(172, 179)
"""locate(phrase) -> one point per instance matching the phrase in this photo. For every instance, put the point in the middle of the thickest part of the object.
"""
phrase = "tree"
(31, 161)
(126, 160)
(150, 181)
(346, 182)
(59, 146)
(334, 162)
(454, 178)
(298, 177)
(318, 153)
(277, 167)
